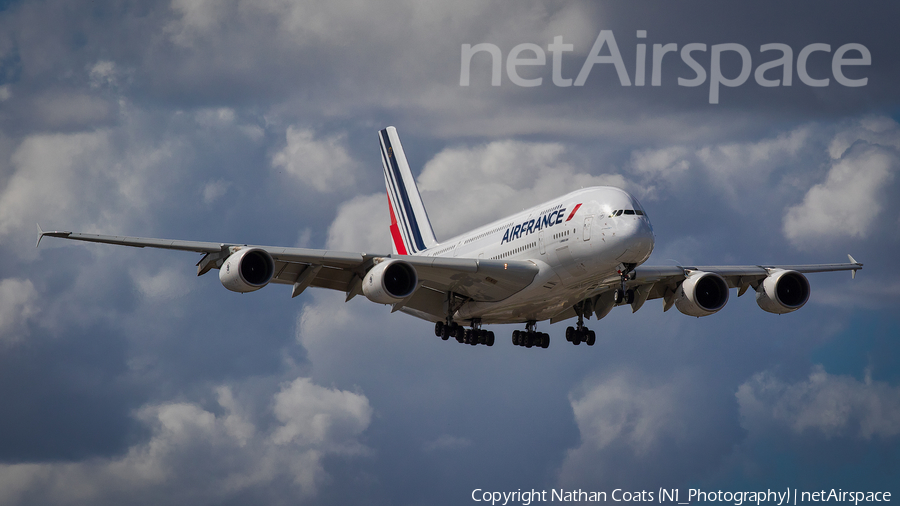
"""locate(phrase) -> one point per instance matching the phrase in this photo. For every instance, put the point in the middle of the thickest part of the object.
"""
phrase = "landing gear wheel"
(490, 338)
(545, 340)
(438, 329)
(576, 337)
(515, 337)
(591, 338)
(618, 296)
(629, 296)
(570, 332)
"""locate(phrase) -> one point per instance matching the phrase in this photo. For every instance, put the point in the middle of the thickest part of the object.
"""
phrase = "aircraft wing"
(477, 279)
(655, 282)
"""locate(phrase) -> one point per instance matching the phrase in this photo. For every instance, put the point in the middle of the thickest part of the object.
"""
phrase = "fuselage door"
(587, 228)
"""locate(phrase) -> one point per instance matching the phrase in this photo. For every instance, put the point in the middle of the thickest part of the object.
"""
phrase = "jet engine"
(702, 294)
(390, 281)
(783, 292)
(247, 270)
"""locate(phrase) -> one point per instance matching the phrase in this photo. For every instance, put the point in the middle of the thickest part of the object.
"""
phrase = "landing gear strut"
(531, 337)
(580, 333)
(622, 294)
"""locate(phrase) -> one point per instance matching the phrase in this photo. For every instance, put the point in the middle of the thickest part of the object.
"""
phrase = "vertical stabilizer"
(411, 231)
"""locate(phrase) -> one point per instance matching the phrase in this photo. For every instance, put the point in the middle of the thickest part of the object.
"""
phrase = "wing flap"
(478, 279)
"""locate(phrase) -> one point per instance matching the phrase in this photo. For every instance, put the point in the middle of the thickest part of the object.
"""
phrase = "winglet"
(41, 235)
(853, 271)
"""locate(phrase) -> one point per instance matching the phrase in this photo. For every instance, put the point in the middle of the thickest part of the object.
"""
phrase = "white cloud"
(222, 116)
(214, 190)
(315, 416)
(446, 442)
(659, 169)
(362, 224)
(872, 129)
(103, 73)
(168, 283)
(323, 163)
(195, 455)
(848, 202)
(18, 304)
(619, 410)
(48, 169)
(632, 422)
(82, 181)
(741, 171)
(827, 404)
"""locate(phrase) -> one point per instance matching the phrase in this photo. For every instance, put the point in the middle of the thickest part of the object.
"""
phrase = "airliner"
(576, 256)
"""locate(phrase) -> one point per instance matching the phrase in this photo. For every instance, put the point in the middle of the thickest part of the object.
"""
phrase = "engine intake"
(783, 292)
(390, 281)
(702, 294)
(247, 270)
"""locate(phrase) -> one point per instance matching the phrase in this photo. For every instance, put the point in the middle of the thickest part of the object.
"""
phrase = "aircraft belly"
(539, 302)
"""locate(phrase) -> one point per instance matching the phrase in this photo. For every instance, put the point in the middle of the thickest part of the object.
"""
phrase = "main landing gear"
(531, 337)
(580, 333)
(474, 336)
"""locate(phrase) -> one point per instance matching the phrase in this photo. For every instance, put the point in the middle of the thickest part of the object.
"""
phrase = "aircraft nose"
(640, 241)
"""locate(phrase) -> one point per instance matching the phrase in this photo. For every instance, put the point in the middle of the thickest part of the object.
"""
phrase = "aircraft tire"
(591, 337)
(490, 338)
(438, 329)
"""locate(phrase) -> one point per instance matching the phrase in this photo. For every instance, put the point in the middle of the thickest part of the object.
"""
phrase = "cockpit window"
(620, 212)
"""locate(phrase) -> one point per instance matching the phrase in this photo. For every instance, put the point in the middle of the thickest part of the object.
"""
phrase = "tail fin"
(410, 227)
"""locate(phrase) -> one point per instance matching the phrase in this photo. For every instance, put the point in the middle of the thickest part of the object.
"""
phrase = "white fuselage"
(577, 241)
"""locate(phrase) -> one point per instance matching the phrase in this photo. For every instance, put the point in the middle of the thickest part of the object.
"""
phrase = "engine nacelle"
(247, 270)
(390, 281)
(783, 292)
(702, 294)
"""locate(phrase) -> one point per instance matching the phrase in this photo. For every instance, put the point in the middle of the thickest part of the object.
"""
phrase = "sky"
(127, 379)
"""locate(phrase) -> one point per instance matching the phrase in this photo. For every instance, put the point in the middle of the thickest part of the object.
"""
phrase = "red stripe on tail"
(395, 230)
